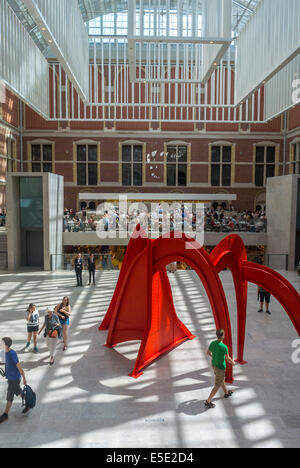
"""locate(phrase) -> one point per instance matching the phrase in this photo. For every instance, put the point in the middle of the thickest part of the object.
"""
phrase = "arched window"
(92, 206)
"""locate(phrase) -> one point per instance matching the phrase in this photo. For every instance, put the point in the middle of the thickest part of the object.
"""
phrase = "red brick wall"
(294, 118)
(109, 135)
(10, 109)
(9, 124)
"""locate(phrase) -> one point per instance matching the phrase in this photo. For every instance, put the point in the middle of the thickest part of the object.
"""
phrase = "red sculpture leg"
(135, 246)
(133, 304)
(166, 251)
(142, 307)
(278, 286)
(230, 253)
(164, 330)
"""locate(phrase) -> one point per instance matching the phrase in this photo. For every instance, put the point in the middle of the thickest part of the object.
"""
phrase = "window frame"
(132, 144)
(265, 164)
(177, 163)
(41, 144)
(11, 156)
(222, 163)
(296, 159)
(87, 163)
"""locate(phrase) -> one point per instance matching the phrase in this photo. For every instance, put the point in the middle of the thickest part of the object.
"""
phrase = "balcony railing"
(73, 226)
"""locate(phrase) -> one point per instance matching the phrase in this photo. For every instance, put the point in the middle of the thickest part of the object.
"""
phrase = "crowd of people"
(76, 222)
(57, 319)
(54, 328)
(217, 218)
(222, 220)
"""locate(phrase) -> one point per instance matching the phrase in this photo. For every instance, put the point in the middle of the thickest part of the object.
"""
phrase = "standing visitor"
(218, 351)
(264, 297)
(52, 333)
(78, 269)
(104, 253)
(13, 373)
(63, 311)
(92, 269)
(33, 325)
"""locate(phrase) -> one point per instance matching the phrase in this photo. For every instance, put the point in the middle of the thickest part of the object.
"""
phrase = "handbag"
(53, 334)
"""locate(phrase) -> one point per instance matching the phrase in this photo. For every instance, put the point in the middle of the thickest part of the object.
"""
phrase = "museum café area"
(149, 226)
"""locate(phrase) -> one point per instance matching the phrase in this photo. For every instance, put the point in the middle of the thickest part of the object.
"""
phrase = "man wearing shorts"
(13, 372)
(220, 356)
(264, 297)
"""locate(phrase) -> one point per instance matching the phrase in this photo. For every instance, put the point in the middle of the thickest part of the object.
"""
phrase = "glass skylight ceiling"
(110, 17)
(117, 24)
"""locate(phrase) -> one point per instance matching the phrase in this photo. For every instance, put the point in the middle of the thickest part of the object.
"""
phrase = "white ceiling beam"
(67, 37)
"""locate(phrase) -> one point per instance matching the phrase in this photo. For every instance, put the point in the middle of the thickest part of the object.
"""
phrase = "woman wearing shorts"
(33, 325)
(63, 311)
(52, 333)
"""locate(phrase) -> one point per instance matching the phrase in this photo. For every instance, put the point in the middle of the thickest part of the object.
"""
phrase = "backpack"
(53, 333)
(28, 397)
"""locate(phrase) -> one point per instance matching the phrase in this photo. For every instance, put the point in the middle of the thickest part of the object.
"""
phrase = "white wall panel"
(283, 91)
(61, 22)
(23, 68)
(269, 41)
(217, 16)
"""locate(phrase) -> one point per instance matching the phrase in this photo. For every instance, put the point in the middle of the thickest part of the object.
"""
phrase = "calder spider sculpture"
(142, 306)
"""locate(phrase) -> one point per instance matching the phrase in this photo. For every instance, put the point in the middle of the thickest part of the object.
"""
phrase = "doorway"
(35, 249)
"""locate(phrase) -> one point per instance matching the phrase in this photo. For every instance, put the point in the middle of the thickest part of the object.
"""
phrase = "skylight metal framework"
(29, 24)
(196, 32)
(91, 9)
(158, 60)
(114, 98)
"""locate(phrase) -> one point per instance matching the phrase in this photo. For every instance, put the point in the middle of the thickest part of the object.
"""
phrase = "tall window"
(265, 164)
(221, 166)
(296, 162)
(10, 154)
(132, 165)
(177, 166)
(87, 165)
(41, 157)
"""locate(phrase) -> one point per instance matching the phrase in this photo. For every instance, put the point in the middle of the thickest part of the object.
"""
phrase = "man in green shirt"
(220, 356)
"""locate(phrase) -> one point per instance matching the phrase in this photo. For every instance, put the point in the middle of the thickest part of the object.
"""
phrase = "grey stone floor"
(87, 399)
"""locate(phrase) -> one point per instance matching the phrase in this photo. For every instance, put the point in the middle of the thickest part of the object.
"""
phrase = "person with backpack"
(33, 325)
(52, 333)
(218, 351)
(13, 374)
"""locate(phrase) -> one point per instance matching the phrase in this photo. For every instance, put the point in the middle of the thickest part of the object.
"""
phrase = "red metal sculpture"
(142, 307)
